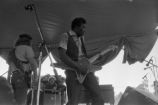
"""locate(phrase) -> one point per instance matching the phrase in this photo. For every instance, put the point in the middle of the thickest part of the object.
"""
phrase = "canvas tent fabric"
(130, 24)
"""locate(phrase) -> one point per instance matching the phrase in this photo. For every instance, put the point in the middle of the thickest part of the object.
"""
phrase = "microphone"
(29, 7)
(149, 61)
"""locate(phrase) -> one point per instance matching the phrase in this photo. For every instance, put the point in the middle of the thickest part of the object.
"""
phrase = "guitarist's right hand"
(82, 69)
(83, 66)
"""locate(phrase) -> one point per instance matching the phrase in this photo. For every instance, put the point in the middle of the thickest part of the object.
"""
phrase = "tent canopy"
(128, 23)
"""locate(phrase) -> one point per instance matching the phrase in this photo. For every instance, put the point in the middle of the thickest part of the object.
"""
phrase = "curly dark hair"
(23, 39)
(77, 22)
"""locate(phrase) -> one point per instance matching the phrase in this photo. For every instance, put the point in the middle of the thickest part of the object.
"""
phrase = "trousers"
(20, 87)
(74, 88)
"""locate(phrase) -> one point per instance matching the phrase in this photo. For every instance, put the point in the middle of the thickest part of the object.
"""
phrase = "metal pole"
(32, 7)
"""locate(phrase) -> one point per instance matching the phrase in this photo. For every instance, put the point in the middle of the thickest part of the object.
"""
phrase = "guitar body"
(81, 75)
(85, 63)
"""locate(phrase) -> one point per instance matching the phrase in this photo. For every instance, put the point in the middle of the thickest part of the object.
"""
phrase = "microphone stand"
(32, 7)
(154, 72)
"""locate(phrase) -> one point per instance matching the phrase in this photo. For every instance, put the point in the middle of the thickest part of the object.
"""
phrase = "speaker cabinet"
(54, 98)
(107, 93)
(133, 96)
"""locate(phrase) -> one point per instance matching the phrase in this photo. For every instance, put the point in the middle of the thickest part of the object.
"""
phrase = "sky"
(115, 73)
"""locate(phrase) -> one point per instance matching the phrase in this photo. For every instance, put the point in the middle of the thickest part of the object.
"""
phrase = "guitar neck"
(95, 57)
(92, 59)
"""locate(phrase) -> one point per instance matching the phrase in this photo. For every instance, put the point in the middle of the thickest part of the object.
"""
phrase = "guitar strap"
(82, 45)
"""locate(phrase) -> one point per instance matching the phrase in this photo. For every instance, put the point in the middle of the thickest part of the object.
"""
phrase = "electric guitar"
(86, 62)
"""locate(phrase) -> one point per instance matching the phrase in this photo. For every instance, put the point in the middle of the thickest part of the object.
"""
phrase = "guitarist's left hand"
(110, 48)
(113, 47)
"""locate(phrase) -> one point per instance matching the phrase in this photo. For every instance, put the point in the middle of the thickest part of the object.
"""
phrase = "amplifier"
(54, 98)
(48, 97)
(107, 93)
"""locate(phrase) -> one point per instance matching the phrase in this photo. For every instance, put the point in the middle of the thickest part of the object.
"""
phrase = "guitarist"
(21, 63)
(71, 49)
